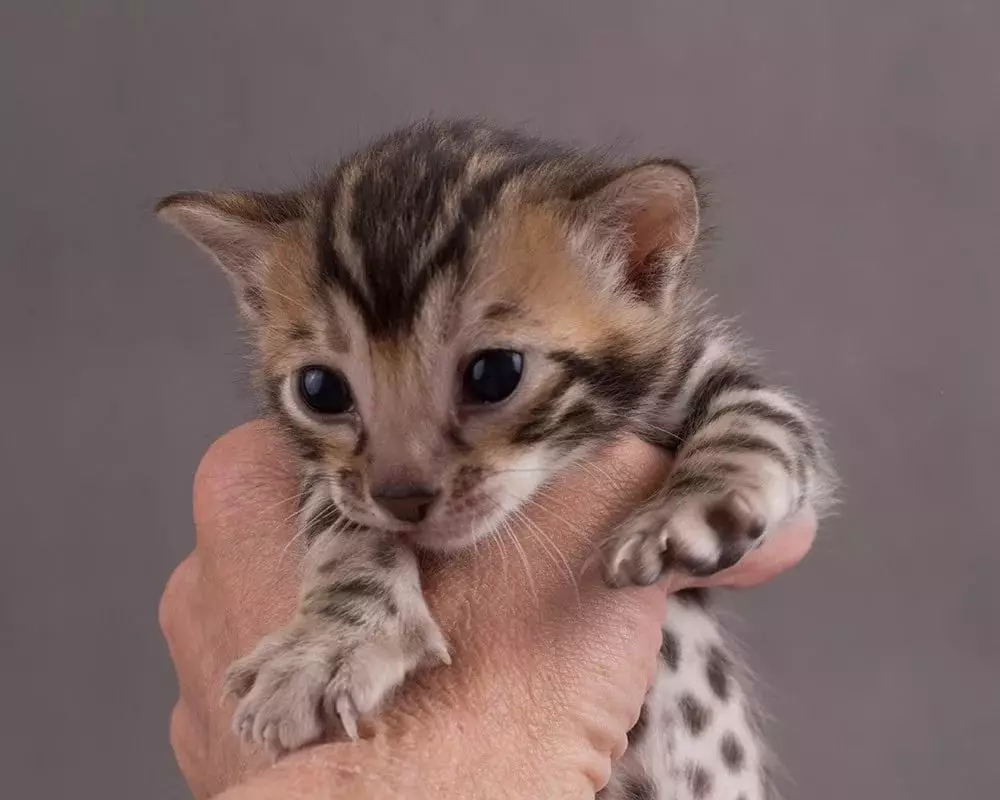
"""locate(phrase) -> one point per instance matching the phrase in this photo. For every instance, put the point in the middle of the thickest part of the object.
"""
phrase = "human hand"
(550, 667)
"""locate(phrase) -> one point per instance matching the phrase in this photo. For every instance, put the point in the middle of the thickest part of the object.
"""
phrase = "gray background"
(853, 145)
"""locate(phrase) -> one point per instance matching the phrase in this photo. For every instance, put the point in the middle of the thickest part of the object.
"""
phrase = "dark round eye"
(492, 376)
(324, 391)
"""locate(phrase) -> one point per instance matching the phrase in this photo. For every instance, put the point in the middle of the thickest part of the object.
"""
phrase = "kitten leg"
(748, 459)
(361, 627)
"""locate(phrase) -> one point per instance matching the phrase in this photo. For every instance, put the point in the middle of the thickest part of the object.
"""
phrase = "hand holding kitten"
(536, 703)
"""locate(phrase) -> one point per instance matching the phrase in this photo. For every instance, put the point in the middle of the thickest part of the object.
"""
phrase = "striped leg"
(361, 627)
(748, 459)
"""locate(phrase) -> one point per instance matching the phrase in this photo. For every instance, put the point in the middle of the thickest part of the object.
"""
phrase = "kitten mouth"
(452, 533)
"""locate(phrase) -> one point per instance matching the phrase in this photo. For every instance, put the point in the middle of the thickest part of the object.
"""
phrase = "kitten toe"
(698, 536)
(318, 678)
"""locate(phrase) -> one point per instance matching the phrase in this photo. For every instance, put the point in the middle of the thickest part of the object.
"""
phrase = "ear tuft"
(654, 208)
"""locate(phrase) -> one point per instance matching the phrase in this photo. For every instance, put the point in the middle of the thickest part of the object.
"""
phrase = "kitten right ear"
(236, 229)
(652, 209)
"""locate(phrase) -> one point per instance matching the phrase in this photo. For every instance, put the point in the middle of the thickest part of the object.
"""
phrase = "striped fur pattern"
(392, 272)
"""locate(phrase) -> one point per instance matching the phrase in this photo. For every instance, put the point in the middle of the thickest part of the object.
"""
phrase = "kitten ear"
(236, 229)
(652, 209)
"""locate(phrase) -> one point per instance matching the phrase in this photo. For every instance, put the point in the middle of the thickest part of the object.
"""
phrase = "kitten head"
(453, 315)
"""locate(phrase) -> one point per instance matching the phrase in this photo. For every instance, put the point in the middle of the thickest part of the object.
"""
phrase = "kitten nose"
(407, 502)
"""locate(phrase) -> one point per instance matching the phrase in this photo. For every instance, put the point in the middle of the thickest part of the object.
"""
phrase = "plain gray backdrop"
(853, 150)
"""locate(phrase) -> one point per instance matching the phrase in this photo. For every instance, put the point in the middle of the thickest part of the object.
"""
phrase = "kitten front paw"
(698, 535)
(300, 679)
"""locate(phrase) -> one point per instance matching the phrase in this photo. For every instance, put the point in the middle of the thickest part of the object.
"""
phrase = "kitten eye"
(324, 391)
(492, 376)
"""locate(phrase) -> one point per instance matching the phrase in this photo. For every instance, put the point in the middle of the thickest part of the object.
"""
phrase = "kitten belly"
(697, 737)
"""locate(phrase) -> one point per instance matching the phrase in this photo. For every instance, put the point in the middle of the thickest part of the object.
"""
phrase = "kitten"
(447, 320)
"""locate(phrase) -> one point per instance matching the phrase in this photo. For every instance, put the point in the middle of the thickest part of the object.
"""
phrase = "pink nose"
(406, 503)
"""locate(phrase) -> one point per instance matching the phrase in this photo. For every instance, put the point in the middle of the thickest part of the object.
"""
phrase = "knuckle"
(176, 593)
(241, 453)
(250, 457)
(178, 724)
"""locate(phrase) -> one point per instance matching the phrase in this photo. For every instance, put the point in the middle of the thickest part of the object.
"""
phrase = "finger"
(246, 488)
(176, 599)
(192, 635)
(246, 495)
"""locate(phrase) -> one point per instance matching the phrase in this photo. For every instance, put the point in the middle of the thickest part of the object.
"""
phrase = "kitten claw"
(348, 714)
(316, 673)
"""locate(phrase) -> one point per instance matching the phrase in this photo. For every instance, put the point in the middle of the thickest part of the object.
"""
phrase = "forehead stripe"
(331, 265)
(392, 302)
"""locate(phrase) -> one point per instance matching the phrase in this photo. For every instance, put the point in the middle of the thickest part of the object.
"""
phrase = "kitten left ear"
(653, 209)
(236, 229)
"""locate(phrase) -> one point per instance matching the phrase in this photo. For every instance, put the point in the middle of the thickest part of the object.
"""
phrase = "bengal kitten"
(447, 320)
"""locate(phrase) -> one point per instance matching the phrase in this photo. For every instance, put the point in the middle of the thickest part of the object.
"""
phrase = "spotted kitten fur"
(446, 321)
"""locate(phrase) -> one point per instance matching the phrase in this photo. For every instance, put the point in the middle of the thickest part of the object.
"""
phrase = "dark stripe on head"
(397, 202)
(500, 311)
(399, 309)
(332, 267)
(609, 374)
(411, 181)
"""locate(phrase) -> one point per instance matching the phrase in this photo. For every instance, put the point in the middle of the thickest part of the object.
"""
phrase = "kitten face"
(453, 315)
(474, 405)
